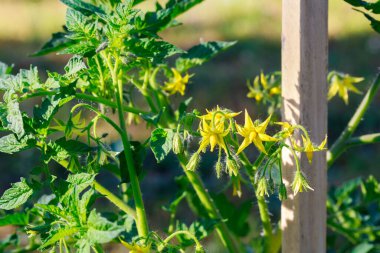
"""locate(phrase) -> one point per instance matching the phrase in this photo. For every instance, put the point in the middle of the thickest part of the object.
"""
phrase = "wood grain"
(304, 91)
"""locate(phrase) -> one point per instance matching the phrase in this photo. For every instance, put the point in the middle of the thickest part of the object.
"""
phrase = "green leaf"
(81, 180)
(83, 246)
(201, 53)
(43, 114)
(161, 19)
(73, 146)
(161, 142)
(100, 230)
(363, 248)
(375, 24)
(15, 219)
(58, 42)
(200, 228)
(83, 7)
(80, 25)
(11, 117)
(15, 196)
(58, 235)
(84, 49)
(10, 144)
(5, 70)
(74, 66)
(155, 50)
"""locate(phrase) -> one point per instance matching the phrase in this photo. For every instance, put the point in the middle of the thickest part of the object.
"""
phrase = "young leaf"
(161, 142)
(74, 65)
(83, 7)
(100, 230)
(58, 42)
(161, 19)
(10, 144)
(201, 53)
(11, 117)
(15, 196)
(58, 235)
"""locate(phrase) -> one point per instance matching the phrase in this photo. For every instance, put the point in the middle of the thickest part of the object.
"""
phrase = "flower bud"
(218, 168)
(232, 166)
(300, 183)
(193, 162)
(177, 144)
(262, 187)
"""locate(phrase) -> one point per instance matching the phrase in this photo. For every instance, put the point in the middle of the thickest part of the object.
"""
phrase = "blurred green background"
(354, 48)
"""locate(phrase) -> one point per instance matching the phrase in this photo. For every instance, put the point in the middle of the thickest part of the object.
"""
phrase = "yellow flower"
(255, 91)
(300, 183)
(216, 115)
(287, 128)
(309, 148)
(342, 84)
(254, 134)
(212, 135)
(177, 84)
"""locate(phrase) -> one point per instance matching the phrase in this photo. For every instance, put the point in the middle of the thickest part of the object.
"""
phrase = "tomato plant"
(121, 72)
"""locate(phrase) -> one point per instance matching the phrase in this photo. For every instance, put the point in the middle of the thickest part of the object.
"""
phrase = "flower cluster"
(219, 131)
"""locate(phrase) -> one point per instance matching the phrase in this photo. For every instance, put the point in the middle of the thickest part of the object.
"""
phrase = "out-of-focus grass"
(35, 20)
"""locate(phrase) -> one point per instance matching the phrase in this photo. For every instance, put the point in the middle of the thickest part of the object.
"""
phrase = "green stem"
(141, 220)
(340, 144)
(264, 215)
(364, 139)
(184, 232)
(114, 200)
(207, 202)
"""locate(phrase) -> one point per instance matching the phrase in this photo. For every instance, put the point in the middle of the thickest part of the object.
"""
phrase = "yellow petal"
(243, 145)
(263, 126)
(333, 90)
(248, 121)
(265, 137)
(258, 143)
(323, 144)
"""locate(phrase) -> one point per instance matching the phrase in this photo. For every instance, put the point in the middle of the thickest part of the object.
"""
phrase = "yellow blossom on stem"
(309, 148)
(213, 135)
(177, 84)
(255, 90)
(287, 128)
(342, 84)
(253, 134)
(218, 114)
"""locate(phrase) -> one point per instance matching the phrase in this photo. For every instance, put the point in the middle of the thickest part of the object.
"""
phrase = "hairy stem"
(141, 220)
(227, 239)
(339, 145)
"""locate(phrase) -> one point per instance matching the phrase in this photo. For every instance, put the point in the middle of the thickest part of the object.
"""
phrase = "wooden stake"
(304, 91)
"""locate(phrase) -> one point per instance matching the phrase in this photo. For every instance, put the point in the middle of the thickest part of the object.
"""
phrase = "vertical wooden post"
(304, 91)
